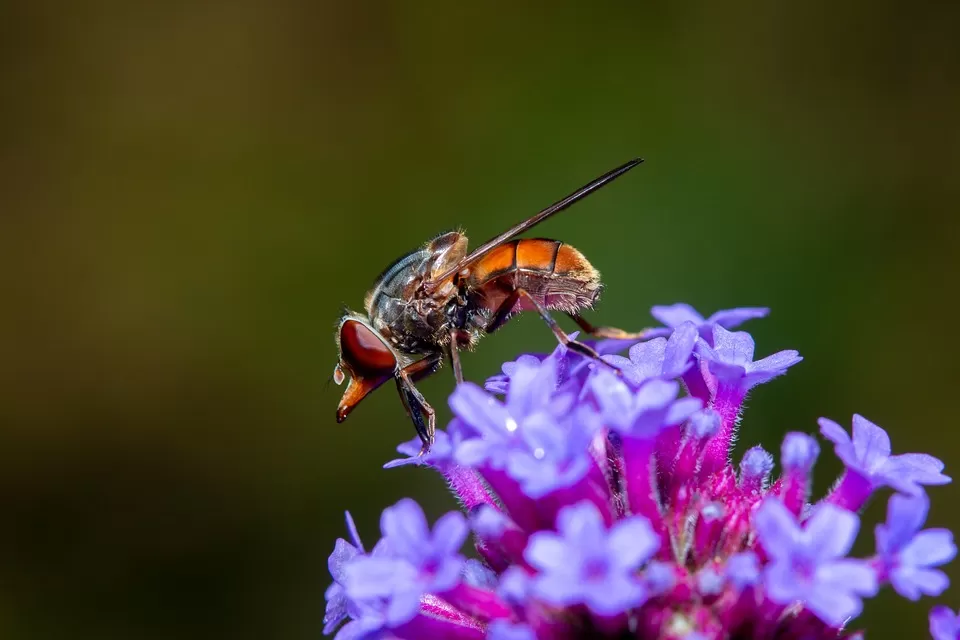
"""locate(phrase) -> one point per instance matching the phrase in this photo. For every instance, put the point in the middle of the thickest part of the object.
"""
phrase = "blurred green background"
(190, 191)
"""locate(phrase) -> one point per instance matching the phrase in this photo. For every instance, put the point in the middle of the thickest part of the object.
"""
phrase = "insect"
(438, 300)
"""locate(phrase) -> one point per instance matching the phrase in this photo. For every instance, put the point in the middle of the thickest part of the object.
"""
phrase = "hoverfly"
(438, 300)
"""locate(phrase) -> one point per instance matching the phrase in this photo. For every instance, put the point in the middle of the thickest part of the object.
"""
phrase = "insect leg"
(606, 332)
(455, 357)
(503, 312)
(564, 339)
(419, 410)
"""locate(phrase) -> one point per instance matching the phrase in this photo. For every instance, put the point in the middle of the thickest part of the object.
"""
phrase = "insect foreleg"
(419, 410)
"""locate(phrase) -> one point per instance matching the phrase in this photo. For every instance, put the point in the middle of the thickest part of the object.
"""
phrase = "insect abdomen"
(554, 273)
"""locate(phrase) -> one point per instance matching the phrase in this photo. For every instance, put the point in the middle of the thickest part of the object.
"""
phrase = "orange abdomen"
(555, 274)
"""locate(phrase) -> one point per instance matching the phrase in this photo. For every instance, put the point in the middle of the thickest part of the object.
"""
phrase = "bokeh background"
(190, 191)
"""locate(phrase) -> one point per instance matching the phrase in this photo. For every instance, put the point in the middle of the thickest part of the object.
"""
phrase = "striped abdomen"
(557, 275)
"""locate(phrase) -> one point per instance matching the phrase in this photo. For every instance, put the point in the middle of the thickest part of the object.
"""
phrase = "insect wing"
(536, 219)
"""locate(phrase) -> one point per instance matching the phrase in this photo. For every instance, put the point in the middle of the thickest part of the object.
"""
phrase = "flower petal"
(905, 516)
(478, 409)
(930, 548)
(449, 533)
(777, 363)
(911, 583)
(403, 607)
(676, 314)
(833, 432)
(835, 607)
(473, 452)
(831, 531)
(733, 347)
(614, 595)
(546, 551)
(682, 409)
(677, 351)
(405, 525)
(871, 442)
(856, 576)
(776, 527)
(730, 318)
(632, 542)
(944, 624)
(582, 526)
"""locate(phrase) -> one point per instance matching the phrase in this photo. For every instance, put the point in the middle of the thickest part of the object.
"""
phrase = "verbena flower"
(808, 564)
(675, 315)
(907, 555)
(606, 506)
(870, 465)
(944, 624)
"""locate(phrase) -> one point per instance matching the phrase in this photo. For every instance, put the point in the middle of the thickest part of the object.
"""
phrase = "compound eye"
(364, 352)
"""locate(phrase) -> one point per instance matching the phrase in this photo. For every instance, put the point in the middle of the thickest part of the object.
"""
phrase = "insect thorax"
(410, 322)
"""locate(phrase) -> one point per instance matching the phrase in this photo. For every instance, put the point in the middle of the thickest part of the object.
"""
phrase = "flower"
(807, 564)
(731, 360)
(870, 466)
(658, 357)
(908, 555)
(743, 570)
(386, 587)
(609, 507)
(644, 412)
(441, 452)
(343, 553)
(503, 630)
(944, 624)
(755, 468)
(533, 437)
(676, 314)
(584, 563)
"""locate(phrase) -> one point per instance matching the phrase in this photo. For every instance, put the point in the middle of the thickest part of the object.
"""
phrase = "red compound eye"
(364, 352)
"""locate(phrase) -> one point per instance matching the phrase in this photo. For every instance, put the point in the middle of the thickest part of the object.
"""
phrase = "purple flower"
(571, 367)
(417, 561)
(944, 624)
(491, 427)
(644, 412)
(658, 358)
(343, 553)
(743, 570)
(440, 453)
(799, 451)
(536, 436)
(807, 564)
(610, 507)
(503, 630)
(676, 314)
(500, 383)
(797, 455)
(755, 468)
(868, 455)
(731, 360)
(908, 555)
(584, 563)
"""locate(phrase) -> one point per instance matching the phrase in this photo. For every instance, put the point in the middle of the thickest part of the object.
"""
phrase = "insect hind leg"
(571, 343)
(612, 333)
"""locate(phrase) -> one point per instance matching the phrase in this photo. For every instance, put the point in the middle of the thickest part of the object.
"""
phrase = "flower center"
(595, 568)
(804, 568)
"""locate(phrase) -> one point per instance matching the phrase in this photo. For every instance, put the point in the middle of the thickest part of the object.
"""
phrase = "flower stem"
(851, 492)
(640, 471)
(727, 403)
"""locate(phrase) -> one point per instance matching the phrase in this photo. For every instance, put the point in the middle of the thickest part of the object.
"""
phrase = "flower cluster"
(607, 506)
